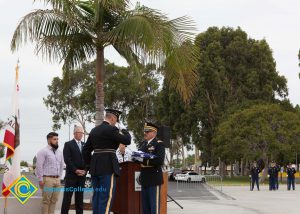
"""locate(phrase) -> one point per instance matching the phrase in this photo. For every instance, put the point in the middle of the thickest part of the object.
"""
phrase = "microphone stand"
(172, 199)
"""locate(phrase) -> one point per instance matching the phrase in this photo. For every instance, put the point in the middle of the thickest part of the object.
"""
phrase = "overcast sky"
(275, 20)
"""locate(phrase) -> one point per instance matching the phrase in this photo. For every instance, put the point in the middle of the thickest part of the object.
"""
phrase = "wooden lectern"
(128, 198)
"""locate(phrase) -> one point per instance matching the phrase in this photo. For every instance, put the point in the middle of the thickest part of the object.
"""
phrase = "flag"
(12, 142)
(140, 154)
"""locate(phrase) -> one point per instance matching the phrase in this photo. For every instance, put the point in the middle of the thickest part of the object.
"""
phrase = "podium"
(128, 197)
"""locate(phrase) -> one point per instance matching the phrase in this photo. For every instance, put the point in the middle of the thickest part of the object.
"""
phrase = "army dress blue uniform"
(277, 177)
(291, 178)
(272, 177)
(151, 175)
(255, 177)
(103, 165)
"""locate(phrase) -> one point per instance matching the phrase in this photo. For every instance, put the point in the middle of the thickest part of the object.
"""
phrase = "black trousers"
(253, 181)
(73, 185)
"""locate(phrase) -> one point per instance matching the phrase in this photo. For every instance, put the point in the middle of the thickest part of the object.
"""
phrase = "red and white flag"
(12, 142)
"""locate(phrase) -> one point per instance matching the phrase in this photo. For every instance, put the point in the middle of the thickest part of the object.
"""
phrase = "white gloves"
(120, 126)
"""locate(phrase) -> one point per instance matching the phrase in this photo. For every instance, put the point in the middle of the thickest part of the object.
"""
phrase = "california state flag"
(12, 142)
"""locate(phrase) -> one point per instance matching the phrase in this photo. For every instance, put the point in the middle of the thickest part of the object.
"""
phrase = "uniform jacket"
(151, 171)
(291, 172)
(73, 159)
(273, 172)
(255, 172)
(104, 137)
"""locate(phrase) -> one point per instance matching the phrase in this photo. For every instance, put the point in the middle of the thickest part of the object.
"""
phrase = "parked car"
(189, 176)
(24, 169)
(173, 173)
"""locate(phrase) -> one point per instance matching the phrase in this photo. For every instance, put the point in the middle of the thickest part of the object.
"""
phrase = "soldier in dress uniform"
(291, 171)
(277, 176)
(104, 140)
(151, 171)
(273, 171)
(255, 176)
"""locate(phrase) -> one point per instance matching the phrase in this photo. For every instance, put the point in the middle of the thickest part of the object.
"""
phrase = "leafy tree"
(1, 145)
(34, 162)
(71, 97)
(24, 163)
(263, 131)
(1, 124)
(234, 72)
(75, 31)
(171, 111)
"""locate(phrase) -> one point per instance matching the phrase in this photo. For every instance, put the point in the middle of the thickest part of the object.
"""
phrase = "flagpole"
(12, 142)
(5, 205)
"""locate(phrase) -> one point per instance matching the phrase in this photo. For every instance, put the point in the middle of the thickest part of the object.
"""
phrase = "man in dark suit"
(75, 173)
(104, 140)
(151, 171)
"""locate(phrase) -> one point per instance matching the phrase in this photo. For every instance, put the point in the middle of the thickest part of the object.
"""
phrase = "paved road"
(189, 191)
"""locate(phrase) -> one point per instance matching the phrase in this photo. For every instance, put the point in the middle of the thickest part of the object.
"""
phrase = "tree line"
(219, 91)
(239, 111)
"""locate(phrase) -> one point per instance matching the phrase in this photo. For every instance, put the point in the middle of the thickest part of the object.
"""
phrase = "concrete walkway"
(245, 202)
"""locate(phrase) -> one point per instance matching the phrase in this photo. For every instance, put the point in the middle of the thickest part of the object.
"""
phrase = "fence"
(212, 182)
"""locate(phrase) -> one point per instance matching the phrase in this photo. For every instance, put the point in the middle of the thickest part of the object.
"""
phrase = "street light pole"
(297, 168)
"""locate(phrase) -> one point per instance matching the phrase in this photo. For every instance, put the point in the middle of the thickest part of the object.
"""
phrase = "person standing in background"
(75, 172)
(255, 176)
(49, 168)
(291, 171)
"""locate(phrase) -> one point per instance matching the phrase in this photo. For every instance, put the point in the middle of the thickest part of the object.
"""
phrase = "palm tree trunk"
(100, 71)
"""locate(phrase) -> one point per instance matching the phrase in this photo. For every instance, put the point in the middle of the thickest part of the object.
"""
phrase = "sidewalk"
(246, 202)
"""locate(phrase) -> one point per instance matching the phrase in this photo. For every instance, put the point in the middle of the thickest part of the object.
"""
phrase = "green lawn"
(239, 181)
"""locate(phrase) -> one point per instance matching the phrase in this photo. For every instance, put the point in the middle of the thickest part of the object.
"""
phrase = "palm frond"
(72, 49)
(125, 51)
(40, 23)
(56, 37)
(180, 70)
(151, 34)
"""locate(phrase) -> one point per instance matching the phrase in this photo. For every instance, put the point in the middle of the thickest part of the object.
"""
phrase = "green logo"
(22, 189)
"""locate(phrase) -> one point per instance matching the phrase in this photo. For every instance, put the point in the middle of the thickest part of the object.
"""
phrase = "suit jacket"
(73, 159)
(104, 137)
(151, 171)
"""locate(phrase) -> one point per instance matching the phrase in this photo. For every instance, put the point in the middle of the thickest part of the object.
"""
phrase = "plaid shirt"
(49, 162)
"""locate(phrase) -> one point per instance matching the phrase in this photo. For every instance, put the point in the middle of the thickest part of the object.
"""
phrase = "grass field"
(241, 181)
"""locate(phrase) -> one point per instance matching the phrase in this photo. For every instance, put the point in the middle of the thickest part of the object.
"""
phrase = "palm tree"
(74, 31)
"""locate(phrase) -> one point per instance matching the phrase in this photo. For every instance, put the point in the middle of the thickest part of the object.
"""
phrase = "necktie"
(79, 145)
